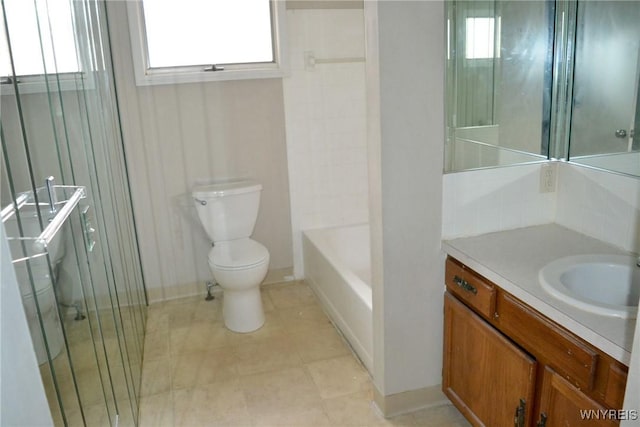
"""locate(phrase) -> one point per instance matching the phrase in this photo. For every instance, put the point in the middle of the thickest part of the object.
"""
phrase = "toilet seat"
(238, 254)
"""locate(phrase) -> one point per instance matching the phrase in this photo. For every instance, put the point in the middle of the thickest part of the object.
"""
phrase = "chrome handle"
(543, 420)
(518, 419)
(465, 285)
(89, 230)
(202, 202)
(620, 133)
(58, 221)
(51, 192)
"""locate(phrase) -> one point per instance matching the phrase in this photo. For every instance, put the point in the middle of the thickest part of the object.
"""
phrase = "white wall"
(597, 203)
(600, 204)
(632, 393)
(486, 200)
(22, 396)
(407, 159)
(179, 135)
(325, 108)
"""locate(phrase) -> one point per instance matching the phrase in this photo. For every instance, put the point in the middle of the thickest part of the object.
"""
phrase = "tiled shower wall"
(325, 107)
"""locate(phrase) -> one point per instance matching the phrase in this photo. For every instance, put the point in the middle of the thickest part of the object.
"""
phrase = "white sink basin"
(603, 284)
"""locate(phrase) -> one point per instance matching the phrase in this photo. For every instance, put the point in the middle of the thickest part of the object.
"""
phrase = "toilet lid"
(236, 254)
(225, 189)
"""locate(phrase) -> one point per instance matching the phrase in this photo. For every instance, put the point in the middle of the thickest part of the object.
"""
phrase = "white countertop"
(511, 259)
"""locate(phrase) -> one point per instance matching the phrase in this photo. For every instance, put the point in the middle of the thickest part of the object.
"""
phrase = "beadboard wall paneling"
(179, 135)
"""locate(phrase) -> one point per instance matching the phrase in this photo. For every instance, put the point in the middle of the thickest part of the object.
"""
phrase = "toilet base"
(242, 310)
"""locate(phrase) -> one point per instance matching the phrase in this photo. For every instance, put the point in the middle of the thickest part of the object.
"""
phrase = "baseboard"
(184, 290)
(409, 401)
(278, 275)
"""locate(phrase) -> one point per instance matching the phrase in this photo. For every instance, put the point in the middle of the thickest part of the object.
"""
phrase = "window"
(480, 38)
(34, 56)
(202, 40)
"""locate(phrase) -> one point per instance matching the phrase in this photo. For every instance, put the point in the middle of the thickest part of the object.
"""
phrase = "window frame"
(494, 47)
(47, 83)
(50, 81)
(146, 76)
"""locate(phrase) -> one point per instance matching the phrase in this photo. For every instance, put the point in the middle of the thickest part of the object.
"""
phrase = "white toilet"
(228, 213)
(40, 268)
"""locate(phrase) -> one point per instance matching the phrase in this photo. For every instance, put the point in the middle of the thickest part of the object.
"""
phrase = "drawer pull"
(518, 419)
(465, 285)
(543, 420)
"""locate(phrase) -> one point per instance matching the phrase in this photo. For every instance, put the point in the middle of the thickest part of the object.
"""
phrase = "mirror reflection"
(606, 90)
(499, 61)
(503, 97)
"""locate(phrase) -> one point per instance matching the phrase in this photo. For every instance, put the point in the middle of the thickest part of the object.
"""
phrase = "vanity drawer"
(470, 287)
(616, 383)
(547, 342)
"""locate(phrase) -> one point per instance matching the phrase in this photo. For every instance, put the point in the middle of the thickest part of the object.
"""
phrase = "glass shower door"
(83, 290)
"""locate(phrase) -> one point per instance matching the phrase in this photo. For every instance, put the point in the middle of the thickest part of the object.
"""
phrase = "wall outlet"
(548, 174)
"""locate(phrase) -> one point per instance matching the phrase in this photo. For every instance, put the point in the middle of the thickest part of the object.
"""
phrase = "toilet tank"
(228, 211)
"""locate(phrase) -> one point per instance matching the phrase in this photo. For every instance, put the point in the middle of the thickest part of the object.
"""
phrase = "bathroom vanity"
(514, 355)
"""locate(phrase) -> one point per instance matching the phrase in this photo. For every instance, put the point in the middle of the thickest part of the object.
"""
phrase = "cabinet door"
(485, 375)
(565, 405)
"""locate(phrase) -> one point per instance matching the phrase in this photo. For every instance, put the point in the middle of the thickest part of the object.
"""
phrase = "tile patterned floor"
(295, 371)
(89, 373)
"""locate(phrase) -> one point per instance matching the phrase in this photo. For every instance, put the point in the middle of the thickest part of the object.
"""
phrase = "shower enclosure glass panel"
(83, 290)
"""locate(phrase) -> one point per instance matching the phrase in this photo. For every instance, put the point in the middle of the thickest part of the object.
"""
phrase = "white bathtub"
(337, 266)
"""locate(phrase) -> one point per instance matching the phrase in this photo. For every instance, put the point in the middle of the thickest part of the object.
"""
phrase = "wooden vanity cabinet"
(506, 364)
(562, 403)
(485, 375)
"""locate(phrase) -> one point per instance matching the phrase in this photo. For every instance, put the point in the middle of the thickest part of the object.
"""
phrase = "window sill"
(197, 76)
(56, 83)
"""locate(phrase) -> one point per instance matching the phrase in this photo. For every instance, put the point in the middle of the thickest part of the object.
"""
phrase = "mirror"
(499, 70)
(605, 118)
(532, 80)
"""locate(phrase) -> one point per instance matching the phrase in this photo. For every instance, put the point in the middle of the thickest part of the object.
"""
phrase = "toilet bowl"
(239, 266)
(46, 305)
(37, 284)
(238, 263)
